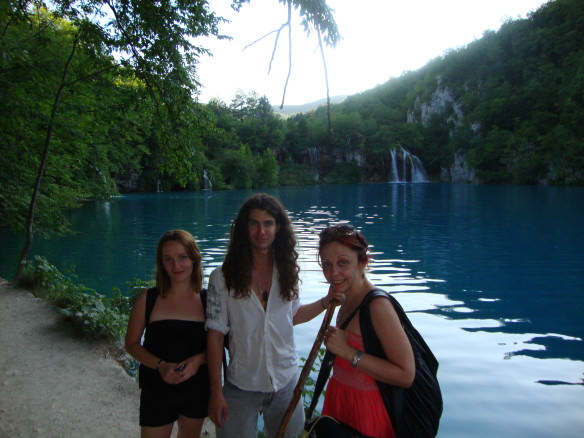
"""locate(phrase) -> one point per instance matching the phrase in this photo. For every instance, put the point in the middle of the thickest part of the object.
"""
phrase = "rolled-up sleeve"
(217, 303)
(295, 306)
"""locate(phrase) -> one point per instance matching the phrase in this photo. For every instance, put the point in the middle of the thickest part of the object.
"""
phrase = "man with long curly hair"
(253, 299)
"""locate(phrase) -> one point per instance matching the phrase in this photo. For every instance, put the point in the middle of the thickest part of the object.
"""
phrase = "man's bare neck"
(262, 258)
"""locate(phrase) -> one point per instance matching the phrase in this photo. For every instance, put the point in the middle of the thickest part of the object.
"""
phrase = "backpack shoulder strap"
(401, 313)
(203, 294)
(151, 297)
(325, 370)
(372, 294)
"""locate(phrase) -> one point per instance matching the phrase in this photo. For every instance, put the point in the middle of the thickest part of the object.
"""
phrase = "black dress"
(174, 340)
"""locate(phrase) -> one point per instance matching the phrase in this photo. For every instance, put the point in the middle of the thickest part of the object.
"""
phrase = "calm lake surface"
(492, 276)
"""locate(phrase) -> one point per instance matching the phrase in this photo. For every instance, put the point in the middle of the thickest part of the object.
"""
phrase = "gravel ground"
(54, 383)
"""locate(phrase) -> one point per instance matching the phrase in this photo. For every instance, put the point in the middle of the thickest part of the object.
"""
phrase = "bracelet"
(356, 358)
(158, 364)
(322, 303)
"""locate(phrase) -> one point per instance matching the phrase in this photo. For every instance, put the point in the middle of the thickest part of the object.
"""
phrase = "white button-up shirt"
(262, 352)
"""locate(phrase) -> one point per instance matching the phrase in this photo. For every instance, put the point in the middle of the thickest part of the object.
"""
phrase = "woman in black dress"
(166, 335)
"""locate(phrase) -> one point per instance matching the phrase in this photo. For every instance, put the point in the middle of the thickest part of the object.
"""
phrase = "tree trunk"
(43, 164)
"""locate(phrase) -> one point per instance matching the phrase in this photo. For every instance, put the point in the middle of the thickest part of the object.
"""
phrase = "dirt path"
(53, 383)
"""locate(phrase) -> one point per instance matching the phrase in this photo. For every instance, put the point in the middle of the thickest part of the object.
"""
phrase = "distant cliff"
(508, 108)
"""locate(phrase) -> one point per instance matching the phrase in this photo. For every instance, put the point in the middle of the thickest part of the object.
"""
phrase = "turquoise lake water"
(492, 276)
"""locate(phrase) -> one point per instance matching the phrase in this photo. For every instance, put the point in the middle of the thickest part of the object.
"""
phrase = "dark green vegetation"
(510, 105)
(87, 113)
(97, 96)
(97, 316)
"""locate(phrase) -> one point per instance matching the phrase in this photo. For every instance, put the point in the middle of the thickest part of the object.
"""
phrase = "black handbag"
(328, 427)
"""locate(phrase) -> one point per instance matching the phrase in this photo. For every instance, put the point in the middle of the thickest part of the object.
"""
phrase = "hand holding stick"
(328, 316)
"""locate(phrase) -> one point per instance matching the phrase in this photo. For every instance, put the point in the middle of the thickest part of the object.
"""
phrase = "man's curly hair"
(237, 265)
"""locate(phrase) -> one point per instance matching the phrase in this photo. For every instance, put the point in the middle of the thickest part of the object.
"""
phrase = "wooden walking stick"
(328, 316)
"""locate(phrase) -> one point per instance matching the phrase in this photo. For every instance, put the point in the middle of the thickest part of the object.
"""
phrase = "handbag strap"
(327, 362)
(151, 296)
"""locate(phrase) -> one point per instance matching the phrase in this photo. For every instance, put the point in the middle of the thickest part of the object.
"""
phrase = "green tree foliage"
(266, 170)
(237, 167)
(74, 45)
(35, 55)
(109, 90)
(103, 91)
(510, 102)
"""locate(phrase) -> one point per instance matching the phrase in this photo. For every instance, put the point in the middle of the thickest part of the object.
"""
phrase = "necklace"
(263, 292)
(262, 282)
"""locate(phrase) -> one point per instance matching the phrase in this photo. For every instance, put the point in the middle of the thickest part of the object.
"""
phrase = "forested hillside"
(508, 108)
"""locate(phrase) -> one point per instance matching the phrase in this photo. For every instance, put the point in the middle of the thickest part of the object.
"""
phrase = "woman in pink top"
(352, 396)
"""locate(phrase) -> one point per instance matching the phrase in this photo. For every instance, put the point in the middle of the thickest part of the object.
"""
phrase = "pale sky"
(381, 39)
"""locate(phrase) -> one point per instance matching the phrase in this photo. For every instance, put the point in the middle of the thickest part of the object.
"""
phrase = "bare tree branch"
(328, 99)
(265, 36)
(278, 31)
(289, 53)
(276, 45)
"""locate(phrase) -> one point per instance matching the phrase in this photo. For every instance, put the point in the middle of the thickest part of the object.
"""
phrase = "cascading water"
(207, 184)
(406, 167)
(314, 156)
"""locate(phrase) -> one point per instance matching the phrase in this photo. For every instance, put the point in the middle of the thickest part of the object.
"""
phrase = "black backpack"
(415, 411)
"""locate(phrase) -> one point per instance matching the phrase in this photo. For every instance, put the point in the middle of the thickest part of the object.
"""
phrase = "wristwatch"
(356, 358)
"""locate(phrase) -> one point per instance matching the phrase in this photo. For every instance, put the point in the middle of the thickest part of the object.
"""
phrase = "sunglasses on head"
(342, 229)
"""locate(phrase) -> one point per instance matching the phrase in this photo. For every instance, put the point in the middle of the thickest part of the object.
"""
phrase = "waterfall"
(207, 184)
(406, 167)
(314, 157)
(394, 175)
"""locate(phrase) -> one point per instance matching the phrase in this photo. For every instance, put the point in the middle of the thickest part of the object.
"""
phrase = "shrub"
(98, 316)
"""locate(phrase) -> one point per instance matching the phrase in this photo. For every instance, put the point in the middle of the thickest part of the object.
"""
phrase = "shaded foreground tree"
(153, 40)
(151, 43)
